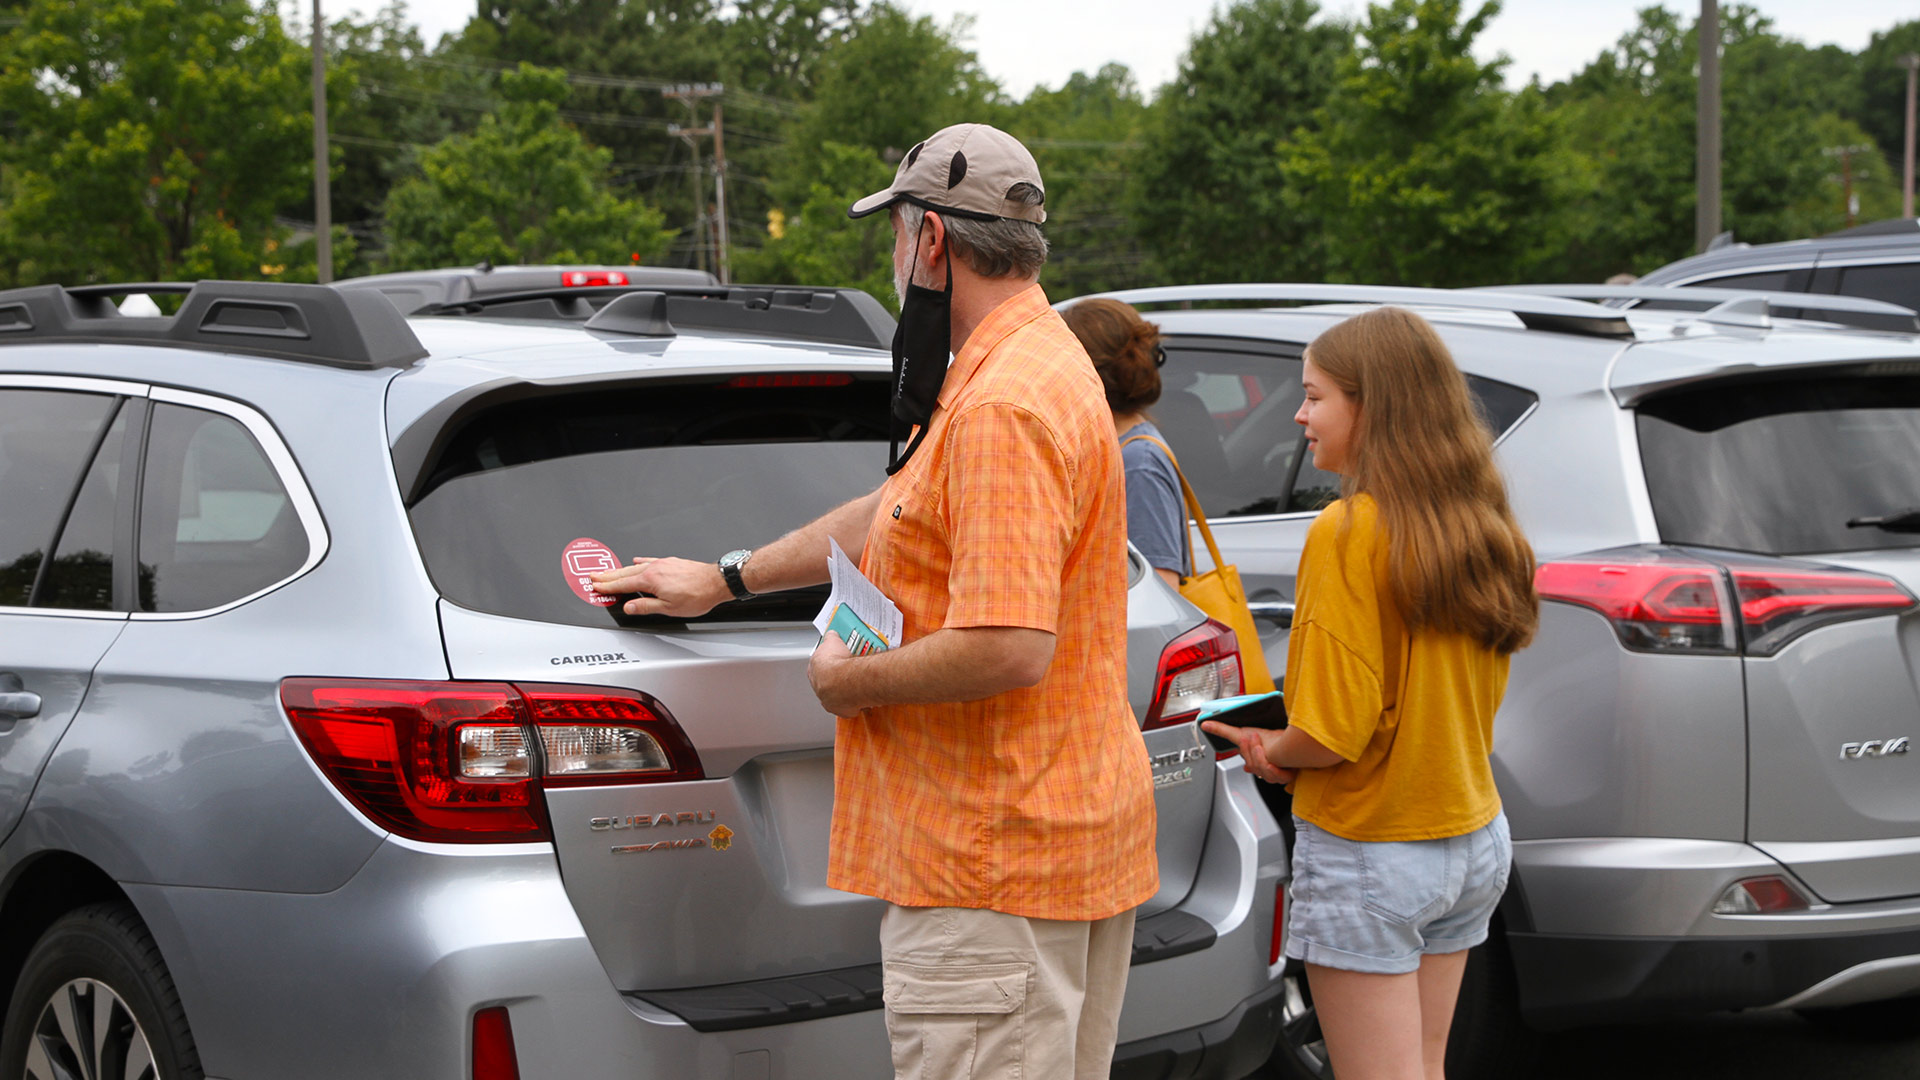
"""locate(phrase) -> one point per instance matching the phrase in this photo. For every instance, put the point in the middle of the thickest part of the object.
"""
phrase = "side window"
(1228, 414)
(46, 437)
(215, 522)
(82, 572)
(1896, 283)
(1501, 406)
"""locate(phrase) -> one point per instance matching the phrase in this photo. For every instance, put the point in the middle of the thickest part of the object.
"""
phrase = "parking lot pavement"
(1751, 1046)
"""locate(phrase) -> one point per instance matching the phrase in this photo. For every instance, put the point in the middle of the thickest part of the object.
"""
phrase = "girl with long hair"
(1414, 590)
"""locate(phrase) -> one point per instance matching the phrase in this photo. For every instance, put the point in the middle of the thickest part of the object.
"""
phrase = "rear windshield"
(687, 469)
(1784, 466)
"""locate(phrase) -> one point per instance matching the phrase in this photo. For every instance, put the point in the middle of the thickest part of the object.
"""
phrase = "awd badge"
(721, 838)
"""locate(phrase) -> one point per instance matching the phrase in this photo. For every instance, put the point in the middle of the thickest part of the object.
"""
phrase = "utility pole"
(1706, 215)
(1911, 62)
(322, 196)
(692, 94)
(1850, 202)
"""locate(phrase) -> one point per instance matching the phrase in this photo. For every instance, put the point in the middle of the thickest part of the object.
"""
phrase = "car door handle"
(1277, 612)
(16, 701)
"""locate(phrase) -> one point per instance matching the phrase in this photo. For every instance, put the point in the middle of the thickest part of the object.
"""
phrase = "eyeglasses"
(1159, 356)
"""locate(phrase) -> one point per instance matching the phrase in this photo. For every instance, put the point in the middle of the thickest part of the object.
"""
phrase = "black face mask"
(920, 353)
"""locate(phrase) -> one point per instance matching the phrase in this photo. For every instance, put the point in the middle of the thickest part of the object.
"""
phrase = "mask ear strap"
(900, 460)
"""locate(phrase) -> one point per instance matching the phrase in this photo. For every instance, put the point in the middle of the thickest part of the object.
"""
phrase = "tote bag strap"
(1193, 501)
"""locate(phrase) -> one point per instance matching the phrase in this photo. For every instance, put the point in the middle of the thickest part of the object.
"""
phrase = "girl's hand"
(1253, 744)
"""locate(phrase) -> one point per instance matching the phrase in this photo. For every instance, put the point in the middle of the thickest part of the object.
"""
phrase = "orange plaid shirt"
(1039, 801)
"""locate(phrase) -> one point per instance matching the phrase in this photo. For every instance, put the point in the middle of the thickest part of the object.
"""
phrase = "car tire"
(97, 965)
(1896, 1019)
(1489, 1039)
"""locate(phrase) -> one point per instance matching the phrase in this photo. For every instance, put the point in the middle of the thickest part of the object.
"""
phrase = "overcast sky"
(1023, 43)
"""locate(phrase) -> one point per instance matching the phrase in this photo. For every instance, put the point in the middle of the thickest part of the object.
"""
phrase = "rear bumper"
(1566, 981)
(1606, 929)
(1226, 1049)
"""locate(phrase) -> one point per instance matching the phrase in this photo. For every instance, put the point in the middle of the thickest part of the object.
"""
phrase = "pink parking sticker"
(588, 556)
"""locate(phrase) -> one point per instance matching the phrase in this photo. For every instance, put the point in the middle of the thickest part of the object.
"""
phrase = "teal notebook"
(861, 639)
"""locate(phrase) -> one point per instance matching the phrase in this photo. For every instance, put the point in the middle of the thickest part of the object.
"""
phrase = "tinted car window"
(693, 470)
(45, 439)
(82, 572)
(1781, 467)
(1228, 415)
(215, 522)
(1501, 406)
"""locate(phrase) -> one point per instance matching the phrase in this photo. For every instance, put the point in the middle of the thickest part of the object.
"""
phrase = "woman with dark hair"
(1126, 352)
(1414, 590)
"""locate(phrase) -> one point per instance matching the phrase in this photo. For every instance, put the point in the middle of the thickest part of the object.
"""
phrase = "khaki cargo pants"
(978, 995)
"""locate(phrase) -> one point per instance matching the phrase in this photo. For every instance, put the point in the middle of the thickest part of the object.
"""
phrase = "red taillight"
(1657, 600)
(1279, 923)
(579, 278)
(1199, 666)
(1760, 896)
(493, 1053)
(592, 735)
(454, 761)
(1778, 604)
(789, 379)
(1664, 601)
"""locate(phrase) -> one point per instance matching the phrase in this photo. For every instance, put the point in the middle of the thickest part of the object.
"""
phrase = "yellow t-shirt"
(1412, 714)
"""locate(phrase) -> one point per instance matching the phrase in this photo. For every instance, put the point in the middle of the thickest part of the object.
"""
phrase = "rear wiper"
(1904, 521)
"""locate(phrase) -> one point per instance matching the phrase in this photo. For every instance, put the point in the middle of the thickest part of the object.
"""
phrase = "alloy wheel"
(86, 1032)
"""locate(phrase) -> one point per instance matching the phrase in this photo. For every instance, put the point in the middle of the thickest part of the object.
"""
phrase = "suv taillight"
(455, 761)
(1664, 600)
(1199, 666)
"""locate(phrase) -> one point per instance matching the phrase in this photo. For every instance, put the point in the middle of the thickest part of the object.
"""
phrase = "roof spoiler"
(1712, 299)
(826, 315)
(1536, 312)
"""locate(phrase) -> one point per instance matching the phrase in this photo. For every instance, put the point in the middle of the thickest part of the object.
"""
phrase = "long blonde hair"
(1457, 559)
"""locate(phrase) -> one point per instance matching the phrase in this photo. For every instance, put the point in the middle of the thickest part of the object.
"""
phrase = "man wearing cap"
(990, 781)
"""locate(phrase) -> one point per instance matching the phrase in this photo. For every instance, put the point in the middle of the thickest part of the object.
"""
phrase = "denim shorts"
(1380, 907)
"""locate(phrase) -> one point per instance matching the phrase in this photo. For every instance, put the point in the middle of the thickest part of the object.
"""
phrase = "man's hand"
(1254, 744)
(681, 588)
(824, 671)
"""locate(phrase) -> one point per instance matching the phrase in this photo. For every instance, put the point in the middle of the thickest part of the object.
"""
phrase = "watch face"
(734, 558)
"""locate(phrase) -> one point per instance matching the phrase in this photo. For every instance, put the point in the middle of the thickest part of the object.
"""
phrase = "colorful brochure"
(855, 609)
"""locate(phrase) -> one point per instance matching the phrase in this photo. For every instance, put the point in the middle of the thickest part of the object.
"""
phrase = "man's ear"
(935, 239)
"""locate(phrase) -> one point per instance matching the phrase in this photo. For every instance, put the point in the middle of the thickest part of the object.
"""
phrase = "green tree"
(1421, 169)
(1208, 197)
(1882, 101)
(524, 187)
(1084, 136)
(150, 139)
(895, 80)
(820, 245)
(1628, 118)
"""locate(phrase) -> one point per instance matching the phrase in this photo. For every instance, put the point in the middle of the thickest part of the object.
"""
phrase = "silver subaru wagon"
(316, 760)
(1707, 754)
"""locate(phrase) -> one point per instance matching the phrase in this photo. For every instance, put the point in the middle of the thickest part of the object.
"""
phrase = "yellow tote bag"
(1218, 592)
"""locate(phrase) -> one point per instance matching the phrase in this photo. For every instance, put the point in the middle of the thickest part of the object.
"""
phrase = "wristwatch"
(730, 565)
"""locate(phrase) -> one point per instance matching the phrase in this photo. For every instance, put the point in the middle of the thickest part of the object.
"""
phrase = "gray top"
(1156, 510)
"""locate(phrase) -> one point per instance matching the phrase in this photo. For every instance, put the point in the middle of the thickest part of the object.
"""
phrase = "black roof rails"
(831, 316)
(312, 324)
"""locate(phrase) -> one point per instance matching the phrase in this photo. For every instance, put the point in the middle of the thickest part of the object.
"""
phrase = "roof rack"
(831, 316)
(312, 324)
(1708, 299)
(1534, 312)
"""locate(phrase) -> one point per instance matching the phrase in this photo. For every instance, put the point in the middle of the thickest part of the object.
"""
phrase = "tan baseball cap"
(966, 169)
